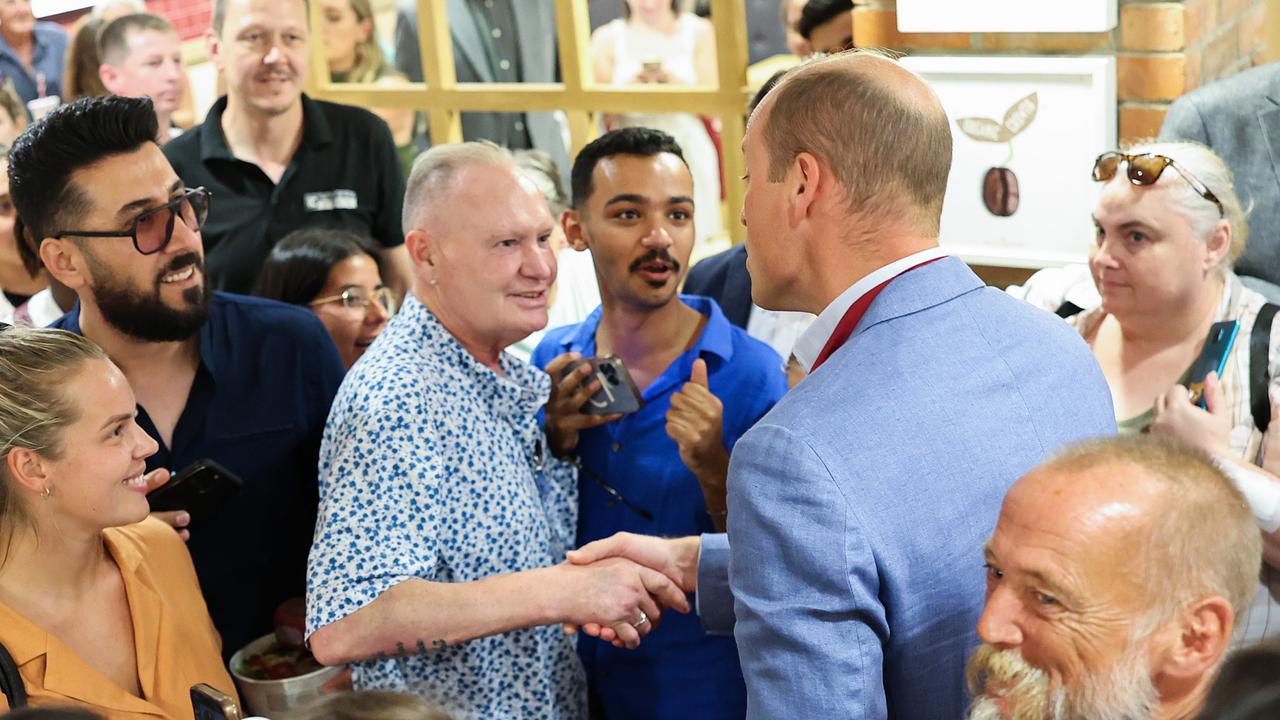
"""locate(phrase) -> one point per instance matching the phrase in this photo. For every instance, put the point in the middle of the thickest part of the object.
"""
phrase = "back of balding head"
(1200, 539)
(435, 172)
(877, 125)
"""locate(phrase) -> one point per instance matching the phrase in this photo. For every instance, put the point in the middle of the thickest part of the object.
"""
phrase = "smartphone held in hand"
(1213, 357)
(617, 394)
(200, 486)
(209, 703)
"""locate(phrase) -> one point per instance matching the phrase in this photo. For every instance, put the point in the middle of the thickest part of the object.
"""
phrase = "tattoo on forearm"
(404, 652)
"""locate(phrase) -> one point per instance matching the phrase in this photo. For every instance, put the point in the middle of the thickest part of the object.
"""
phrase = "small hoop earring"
(47, 492)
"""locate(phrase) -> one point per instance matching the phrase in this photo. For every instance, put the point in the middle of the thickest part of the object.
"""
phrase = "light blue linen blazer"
(859, 505)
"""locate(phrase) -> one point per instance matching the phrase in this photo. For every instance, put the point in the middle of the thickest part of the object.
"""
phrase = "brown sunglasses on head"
(1145, 169)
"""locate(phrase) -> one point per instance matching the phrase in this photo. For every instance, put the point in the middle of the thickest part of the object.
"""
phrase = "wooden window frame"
(442, 97)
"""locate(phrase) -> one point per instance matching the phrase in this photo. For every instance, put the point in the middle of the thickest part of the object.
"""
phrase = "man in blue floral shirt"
(437, 564)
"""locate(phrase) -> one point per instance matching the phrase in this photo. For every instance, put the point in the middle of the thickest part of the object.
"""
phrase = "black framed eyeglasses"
(1145, 169)
(152, 230)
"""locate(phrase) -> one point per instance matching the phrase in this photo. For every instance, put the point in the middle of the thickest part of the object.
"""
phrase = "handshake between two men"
(675, 558)
(694, 422)
(615, 588)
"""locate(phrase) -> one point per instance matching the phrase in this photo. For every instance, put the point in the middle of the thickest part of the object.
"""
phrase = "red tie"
(844, 329)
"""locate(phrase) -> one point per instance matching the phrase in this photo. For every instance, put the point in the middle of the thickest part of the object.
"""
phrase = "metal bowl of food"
(274, 679)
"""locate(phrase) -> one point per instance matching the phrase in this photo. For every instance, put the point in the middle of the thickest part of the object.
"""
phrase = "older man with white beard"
(1114, 577)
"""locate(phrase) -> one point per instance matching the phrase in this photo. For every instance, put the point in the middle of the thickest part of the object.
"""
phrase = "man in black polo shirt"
(278, 160)
(244, 381)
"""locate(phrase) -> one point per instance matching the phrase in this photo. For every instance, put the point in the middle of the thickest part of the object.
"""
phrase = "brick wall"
(190, 17)
(1162, 49)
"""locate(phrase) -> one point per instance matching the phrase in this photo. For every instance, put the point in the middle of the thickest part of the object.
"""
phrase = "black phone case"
(200, 485)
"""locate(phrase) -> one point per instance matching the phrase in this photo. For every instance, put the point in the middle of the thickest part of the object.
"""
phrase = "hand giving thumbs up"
(695, 423)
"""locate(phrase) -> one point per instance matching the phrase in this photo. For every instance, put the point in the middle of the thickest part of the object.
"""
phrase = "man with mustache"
(278, 160)
(1114, 577)
(243, 381)
(927, 395)
(660, 470)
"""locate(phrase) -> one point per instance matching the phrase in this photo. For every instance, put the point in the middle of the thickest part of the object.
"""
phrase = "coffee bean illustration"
(1000, 191)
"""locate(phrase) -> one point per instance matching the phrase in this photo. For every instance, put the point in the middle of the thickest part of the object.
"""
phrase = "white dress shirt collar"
(810, 344)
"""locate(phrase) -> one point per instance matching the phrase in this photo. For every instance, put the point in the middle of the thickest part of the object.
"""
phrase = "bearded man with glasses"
(243, 381)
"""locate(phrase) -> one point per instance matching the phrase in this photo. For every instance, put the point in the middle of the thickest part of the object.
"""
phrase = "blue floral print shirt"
(434, 467)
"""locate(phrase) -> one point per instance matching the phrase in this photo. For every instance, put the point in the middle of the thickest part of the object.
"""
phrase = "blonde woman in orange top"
(99, 605)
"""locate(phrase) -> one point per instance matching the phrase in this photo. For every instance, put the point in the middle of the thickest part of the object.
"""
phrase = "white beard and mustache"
(1124, 692)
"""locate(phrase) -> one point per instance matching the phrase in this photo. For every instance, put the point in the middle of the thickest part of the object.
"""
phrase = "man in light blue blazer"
(859, 504)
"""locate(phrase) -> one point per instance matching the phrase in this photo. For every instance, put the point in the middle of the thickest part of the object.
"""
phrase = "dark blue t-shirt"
(268, 373)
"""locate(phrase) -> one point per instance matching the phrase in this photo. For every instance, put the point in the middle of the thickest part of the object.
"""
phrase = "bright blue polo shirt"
(678, 671)
(268, 373)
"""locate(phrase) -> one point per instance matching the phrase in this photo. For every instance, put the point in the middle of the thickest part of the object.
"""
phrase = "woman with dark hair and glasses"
(337, 274)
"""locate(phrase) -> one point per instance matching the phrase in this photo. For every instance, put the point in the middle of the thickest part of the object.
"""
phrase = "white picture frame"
(1044, 120)
(49, 8)
(1006, 16)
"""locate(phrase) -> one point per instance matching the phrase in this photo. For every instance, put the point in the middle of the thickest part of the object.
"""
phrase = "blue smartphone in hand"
(1213, 357)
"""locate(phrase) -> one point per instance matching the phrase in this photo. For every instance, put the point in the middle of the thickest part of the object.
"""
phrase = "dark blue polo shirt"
(268, 373)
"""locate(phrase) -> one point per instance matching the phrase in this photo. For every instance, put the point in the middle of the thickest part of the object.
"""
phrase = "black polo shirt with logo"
(344, 175)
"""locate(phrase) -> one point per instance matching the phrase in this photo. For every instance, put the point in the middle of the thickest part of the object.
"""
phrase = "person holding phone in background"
(660, 470)
(658, 42)
(243, 381)
(1169, 226)
(99, 604)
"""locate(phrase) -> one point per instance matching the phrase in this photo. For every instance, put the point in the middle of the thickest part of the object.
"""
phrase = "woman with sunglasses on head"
(1168, 227)
(337, 275)
(100, 607)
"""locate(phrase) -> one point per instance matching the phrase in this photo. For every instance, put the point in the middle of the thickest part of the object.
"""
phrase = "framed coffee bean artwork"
(1025, 131)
